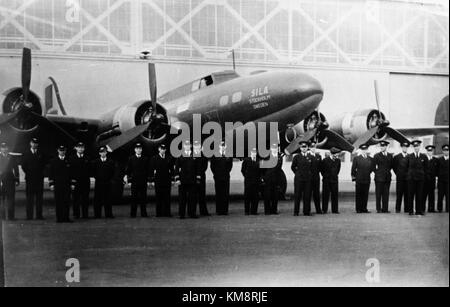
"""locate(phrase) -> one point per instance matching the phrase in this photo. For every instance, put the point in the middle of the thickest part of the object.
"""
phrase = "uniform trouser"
(402, 195)
(35, 197)
(8, 198)
(251, 198)
(382, 195)
(302, 191)
(330, 188)
(201, 196)
(270, 198)
(442, 193)
(139, 198)
(62, 202)
(415, 189)
(162, 193)
(429, 191)
(187, 197)
(315, 193)
(222, 188)
(81, 199)
(362, 196)
(102, 199)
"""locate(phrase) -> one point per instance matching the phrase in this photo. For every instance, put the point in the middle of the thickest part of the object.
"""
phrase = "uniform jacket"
(202, 166)
(315, 166)
(417, 166)
(186, 170)
(382, 165)
(138, 170)
(400, 166)
(431, 170)
(161, 170)
(81, 168)
(9, 171)
(442, 167)
(103, 172)
(272, 175)
(302, 167)
(362, 169)
(330, 169)
(33, 165)
(221, 167)
(60, 173)
(251, 171)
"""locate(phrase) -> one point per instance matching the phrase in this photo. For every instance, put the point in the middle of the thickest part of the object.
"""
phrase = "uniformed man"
(82, 175)
(429, 189)
(316, 159)
(103, 169)
(271, 181)
(443, 179)
(161, 176)
(186, 176)
(302, 168)
(417, 165)
(330, 168)
(400, 167)
(221, 167)
(252, 178)
(33, 165)
(9, 179)
(202, 166)
(383, 164)
(362, 169)
(62, 183)
(138, 175)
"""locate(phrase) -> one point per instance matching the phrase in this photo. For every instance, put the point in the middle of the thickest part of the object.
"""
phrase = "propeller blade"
(336, 140)
(6, 117)
(363, 139)
(44, 121)
(295, 144)
(377, 97)
(152, 84)
(26, 73)
(395, 134)
(125, 138)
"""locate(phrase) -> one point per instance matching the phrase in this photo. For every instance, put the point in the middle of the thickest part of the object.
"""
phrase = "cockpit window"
(204, 82)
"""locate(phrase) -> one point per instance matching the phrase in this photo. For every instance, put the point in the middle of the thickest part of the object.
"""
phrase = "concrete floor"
(281, 250)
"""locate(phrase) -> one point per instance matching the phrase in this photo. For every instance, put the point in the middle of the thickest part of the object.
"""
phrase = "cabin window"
(195, 85)
(223, 101)
(237, 97)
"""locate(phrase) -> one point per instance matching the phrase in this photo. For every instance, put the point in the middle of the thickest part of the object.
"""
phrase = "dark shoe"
(110, 217)
(366, 211)
(40, 218)
(398, 211)
(182, 217)
(411, 213)
(307, 214)
(379, 211)
(295, 214)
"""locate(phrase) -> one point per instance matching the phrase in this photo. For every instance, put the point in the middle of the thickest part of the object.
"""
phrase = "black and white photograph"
(224, 149)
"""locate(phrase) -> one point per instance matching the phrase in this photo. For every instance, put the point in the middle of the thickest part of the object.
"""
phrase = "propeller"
(295, 144)
(125, 138)
(152, 86)
(379, 126)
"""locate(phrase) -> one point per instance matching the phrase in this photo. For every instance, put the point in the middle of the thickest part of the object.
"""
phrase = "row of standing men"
(71, 177)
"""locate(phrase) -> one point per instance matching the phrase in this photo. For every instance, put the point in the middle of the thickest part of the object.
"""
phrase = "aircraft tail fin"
(51, 94)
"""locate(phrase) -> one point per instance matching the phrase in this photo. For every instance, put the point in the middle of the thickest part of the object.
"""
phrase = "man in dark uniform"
(330, 168)
(362, 168)
(138, 175)
(417, 165)
(271, 181)
(315, 175)
(443, 179)
(400, 167)
(252, 179)
(103, 169)
(161, 176)
(186, 175)
(382, 165)
(62, 183)
(202, 166)
(82, 175)
(33, 165)
(221, 167)
(9, 179)
(429, 189)
(302, 168)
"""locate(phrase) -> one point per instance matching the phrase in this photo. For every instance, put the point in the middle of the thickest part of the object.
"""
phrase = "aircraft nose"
(308, 86)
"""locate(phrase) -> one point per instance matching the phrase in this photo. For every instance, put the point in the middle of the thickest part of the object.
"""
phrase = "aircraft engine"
(313, 121)
(129, 116)
(14, 101)
(353, 125)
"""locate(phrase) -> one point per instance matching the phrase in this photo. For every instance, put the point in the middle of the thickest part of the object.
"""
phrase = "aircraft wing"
(422, 131)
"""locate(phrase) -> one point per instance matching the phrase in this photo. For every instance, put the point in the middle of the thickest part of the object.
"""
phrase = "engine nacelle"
(310, 122)
(353, 125)
(13, 102)
(129, 116)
